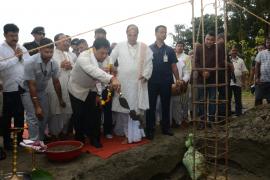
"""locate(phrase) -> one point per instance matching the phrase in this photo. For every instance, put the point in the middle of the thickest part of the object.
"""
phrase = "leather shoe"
(168, 132)
(150, 136)
(96, 143)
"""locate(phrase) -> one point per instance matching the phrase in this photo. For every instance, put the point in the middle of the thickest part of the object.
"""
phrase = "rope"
(107, 25)
(245, 9)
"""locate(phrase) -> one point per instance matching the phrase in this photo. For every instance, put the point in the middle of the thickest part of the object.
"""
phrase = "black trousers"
(262, 92)
(12, 108)
(222, 96)
(237, 92)
(86, 116)
(164, 90)
(107, 112)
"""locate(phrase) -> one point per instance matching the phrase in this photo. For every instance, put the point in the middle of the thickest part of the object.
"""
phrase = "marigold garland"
(108, 98)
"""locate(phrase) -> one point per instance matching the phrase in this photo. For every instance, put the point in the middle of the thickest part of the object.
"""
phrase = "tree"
(183, 33)
(242, 25)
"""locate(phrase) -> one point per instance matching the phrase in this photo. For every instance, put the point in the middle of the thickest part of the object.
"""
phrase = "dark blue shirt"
(163, 58)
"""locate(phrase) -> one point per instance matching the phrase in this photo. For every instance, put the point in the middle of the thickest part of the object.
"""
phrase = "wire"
(245, 9)
(107, 25)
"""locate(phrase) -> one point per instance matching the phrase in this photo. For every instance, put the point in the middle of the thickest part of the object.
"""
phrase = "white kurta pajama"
(59, 117)
(179, 104)
(133, 61)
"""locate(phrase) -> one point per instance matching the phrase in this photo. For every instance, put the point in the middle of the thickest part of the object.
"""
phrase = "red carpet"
(111, 147)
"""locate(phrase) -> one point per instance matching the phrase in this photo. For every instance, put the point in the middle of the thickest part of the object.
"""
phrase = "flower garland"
(103, 102)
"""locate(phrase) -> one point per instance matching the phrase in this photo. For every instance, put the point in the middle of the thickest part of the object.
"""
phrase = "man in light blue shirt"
(38, 71)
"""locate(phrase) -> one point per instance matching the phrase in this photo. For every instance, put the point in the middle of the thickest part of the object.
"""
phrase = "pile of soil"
(249, 139)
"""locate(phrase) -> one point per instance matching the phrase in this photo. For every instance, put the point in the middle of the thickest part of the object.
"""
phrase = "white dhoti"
(134, 69)
(125, 126)
(59, 118)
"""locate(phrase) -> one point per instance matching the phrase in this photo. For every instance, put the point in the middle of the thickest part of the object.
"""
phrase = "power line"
(107, 25)
(245, 9)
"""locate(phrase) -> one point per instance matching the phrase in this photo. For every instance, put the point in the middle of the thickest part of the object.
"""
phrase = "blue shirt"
(36, 69)
(163, 58)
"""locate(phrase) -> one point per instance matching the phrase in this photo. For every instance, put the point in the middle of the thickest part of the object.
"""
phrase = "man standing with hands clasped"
(11, 74)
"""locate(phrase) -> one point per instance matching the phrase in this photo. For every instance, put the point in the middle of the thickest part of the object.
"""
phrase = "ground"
(161, 159)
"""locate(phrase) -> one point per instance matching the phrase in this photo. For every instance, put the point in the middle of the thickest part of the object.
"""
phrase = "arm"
(148, 64)
(257, 72)
(198, 59)
(35, 100)
(58, 90)
(175, 72)
(187, 69)
(93, 71)
(258, 68)
(6, 64)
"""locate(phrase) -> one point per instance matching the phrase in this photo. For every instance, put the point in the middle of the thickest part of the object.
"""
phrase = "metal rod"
(216, 88)
(226, 90)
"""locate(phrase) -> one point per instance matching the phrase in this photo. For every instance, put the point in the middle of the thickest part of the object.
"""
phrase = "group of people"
(63, 93)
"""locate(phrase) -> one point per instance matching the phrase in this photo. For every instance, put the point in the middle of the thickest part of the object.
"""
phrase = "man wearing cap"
(38, 34)
(74, 46)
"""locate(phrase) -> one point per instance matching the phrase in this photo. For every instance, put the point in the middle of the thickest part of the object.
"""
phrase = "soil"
(249, 157)
(62, 148)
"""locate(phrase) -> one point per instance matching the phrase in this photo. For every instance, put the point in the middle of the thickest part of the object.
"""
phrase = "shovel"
(132, 113)
(123, 101)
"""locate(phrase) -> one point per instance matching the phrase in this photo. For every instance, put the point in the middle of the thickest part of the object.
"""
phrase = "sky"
(72, 17)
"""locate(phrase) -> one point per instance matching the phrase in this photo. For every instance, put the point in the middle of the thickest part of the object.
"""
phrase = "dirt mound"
(249, 138)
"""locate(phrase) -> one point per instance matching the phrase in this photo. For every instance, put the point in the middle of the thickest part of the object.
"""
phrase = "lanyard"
(44, 72)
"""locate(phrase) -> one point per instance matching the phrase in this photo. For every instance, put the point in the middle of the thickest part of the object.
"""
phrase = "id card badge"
(165, 58)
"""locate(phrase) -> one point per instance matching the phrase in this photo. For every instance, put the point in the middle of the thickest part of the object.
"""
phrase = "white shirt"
(11, 70)
(184, 67)
(133, 61)
(85, 74)
(239, 68)
(58, 57)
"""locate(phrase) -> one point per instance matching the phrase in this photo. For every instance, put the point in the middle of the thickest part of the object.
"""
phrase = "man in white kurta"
(134, 69)
(179, 103)
(59, 117)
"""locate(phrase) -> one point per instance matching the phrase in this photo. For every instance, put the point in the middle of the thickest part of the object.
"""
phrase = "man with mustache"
(37, 73)
(11, 73)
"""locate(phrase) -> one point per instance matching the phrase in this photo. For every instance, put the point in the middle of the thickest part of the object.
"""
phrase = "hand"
(62, 103)
(106, 69)
(19, 53)
(39, 113)
(143, 79)
(179, 83)
(98, 102)
(66, 65)
(116, 84)
(206, 74)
